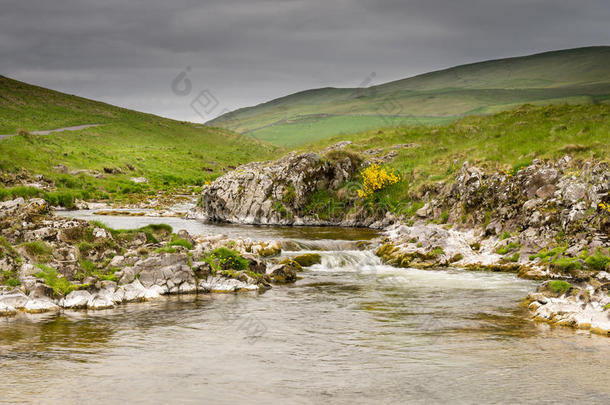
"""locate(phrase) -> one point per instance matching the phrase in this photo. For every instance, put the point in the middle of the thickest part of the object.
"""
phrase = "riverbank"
(105, 267)
(51, 262)
(549, 220)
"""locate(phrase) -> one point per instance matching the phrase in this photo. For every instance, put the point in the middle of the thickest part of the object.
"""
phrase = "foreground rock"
(584, 306)
(51, 263)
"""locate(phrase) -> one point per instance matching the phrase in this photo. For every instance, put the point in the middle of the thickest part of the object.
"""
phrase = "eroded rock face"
(273, 192)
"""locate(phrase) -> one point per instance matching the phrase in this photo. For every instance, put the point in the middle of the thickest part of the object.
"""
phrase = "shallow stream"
(351, 331)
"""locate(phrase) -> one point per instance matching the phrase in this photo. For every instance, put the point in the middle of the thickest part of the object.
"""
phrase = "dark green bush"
(228, 259)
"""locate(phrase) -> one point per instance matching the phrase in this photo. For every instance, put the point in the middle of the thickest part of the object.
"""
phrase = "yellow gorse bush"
(605, 207)
(376, 178)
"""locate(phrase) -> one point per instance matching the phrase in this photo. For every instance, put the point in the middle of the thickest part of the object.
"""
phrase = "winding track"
(50, 131)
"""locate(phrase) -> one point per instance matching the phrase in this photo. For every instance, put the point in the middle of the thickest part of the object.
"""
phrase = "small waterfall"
(347, 260)
(342, 260)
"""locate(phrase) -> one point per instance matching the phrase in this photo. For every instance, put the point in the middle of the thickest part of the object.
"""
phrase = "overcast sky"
(249, 51)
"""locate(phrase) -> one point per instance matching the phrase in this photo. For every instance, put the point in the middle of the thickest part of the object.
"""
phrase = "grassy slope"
(505, 141)
(169, 153)
(576, 76)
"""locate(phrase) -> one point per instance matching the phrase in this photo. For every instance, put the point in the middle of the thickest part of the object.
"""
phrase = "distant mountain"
(576, 76)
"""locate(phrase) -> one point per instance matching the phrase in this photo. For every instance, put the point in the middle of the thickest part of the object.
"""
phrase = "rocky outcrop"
(276, 192)
(51, 263)
(583, 306)
(540, 202)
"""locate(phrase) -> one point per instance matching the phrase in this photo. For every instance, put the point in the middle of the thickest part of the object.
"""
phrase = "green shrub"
(505, 235)
(12, 282)
(567, 264)
(228, 259)
(176, 241)
(502, 250)
(544, 254)
(39, 250)
(85, 247)
(6, 248)
(289, 195)
(60, 198)
(59, 284)
(597, 261)
(559, 286)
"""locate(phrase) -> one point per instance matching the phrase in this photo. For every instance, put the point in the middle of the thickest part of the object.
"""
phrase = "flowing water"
(350, 331)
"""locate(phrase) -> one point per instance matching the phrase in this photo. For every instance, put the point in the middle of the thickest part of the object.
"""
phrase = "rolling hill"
(101, 160)
(575, 76)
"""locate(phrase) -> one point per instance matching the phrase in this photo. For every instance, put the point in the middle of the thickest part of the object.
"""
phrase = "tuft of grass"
(548, 254)
(502, 250)
(60, 285)
(180, 242)
(597, 261)
(85, 247)
(437, 251)
(227, 259)
(166, 249)
(559, 286)
(39, 250)
(567, 264)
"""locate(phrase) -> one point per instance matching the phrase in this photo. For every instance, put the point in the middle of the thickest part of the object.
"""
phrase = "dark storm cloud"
(248, 51)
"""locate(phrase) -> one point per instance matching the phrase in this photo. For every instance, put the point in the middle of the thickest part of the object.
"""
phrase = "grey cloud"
(248, 51)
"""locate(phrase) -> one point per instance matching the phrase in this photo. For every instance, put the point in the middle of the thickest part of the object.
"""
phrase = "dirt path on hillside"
(50, 131)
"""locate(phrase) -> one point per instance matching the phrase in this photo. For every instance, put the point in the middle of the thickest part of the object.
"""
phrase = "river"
(351, 331)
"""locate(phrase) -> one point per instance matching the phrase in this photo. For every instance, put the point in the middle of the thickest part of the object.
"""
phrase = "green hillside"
(505, 141)
(170, 154)
(576, 76)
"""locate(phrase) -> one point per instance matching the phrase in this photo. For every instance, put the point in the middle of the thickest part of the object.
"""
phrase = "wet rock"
(15, 299)
(39, 305)
(103, 299)
(220, 284)
(41, 290)
(133, 291)
(7, 310)
(202, 269)
(76, 299)
(308, 259)
(283, 273)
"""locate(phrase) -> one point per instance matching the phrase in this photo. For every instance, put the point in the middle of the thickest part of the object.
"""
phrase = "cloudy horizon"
(247, 52)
